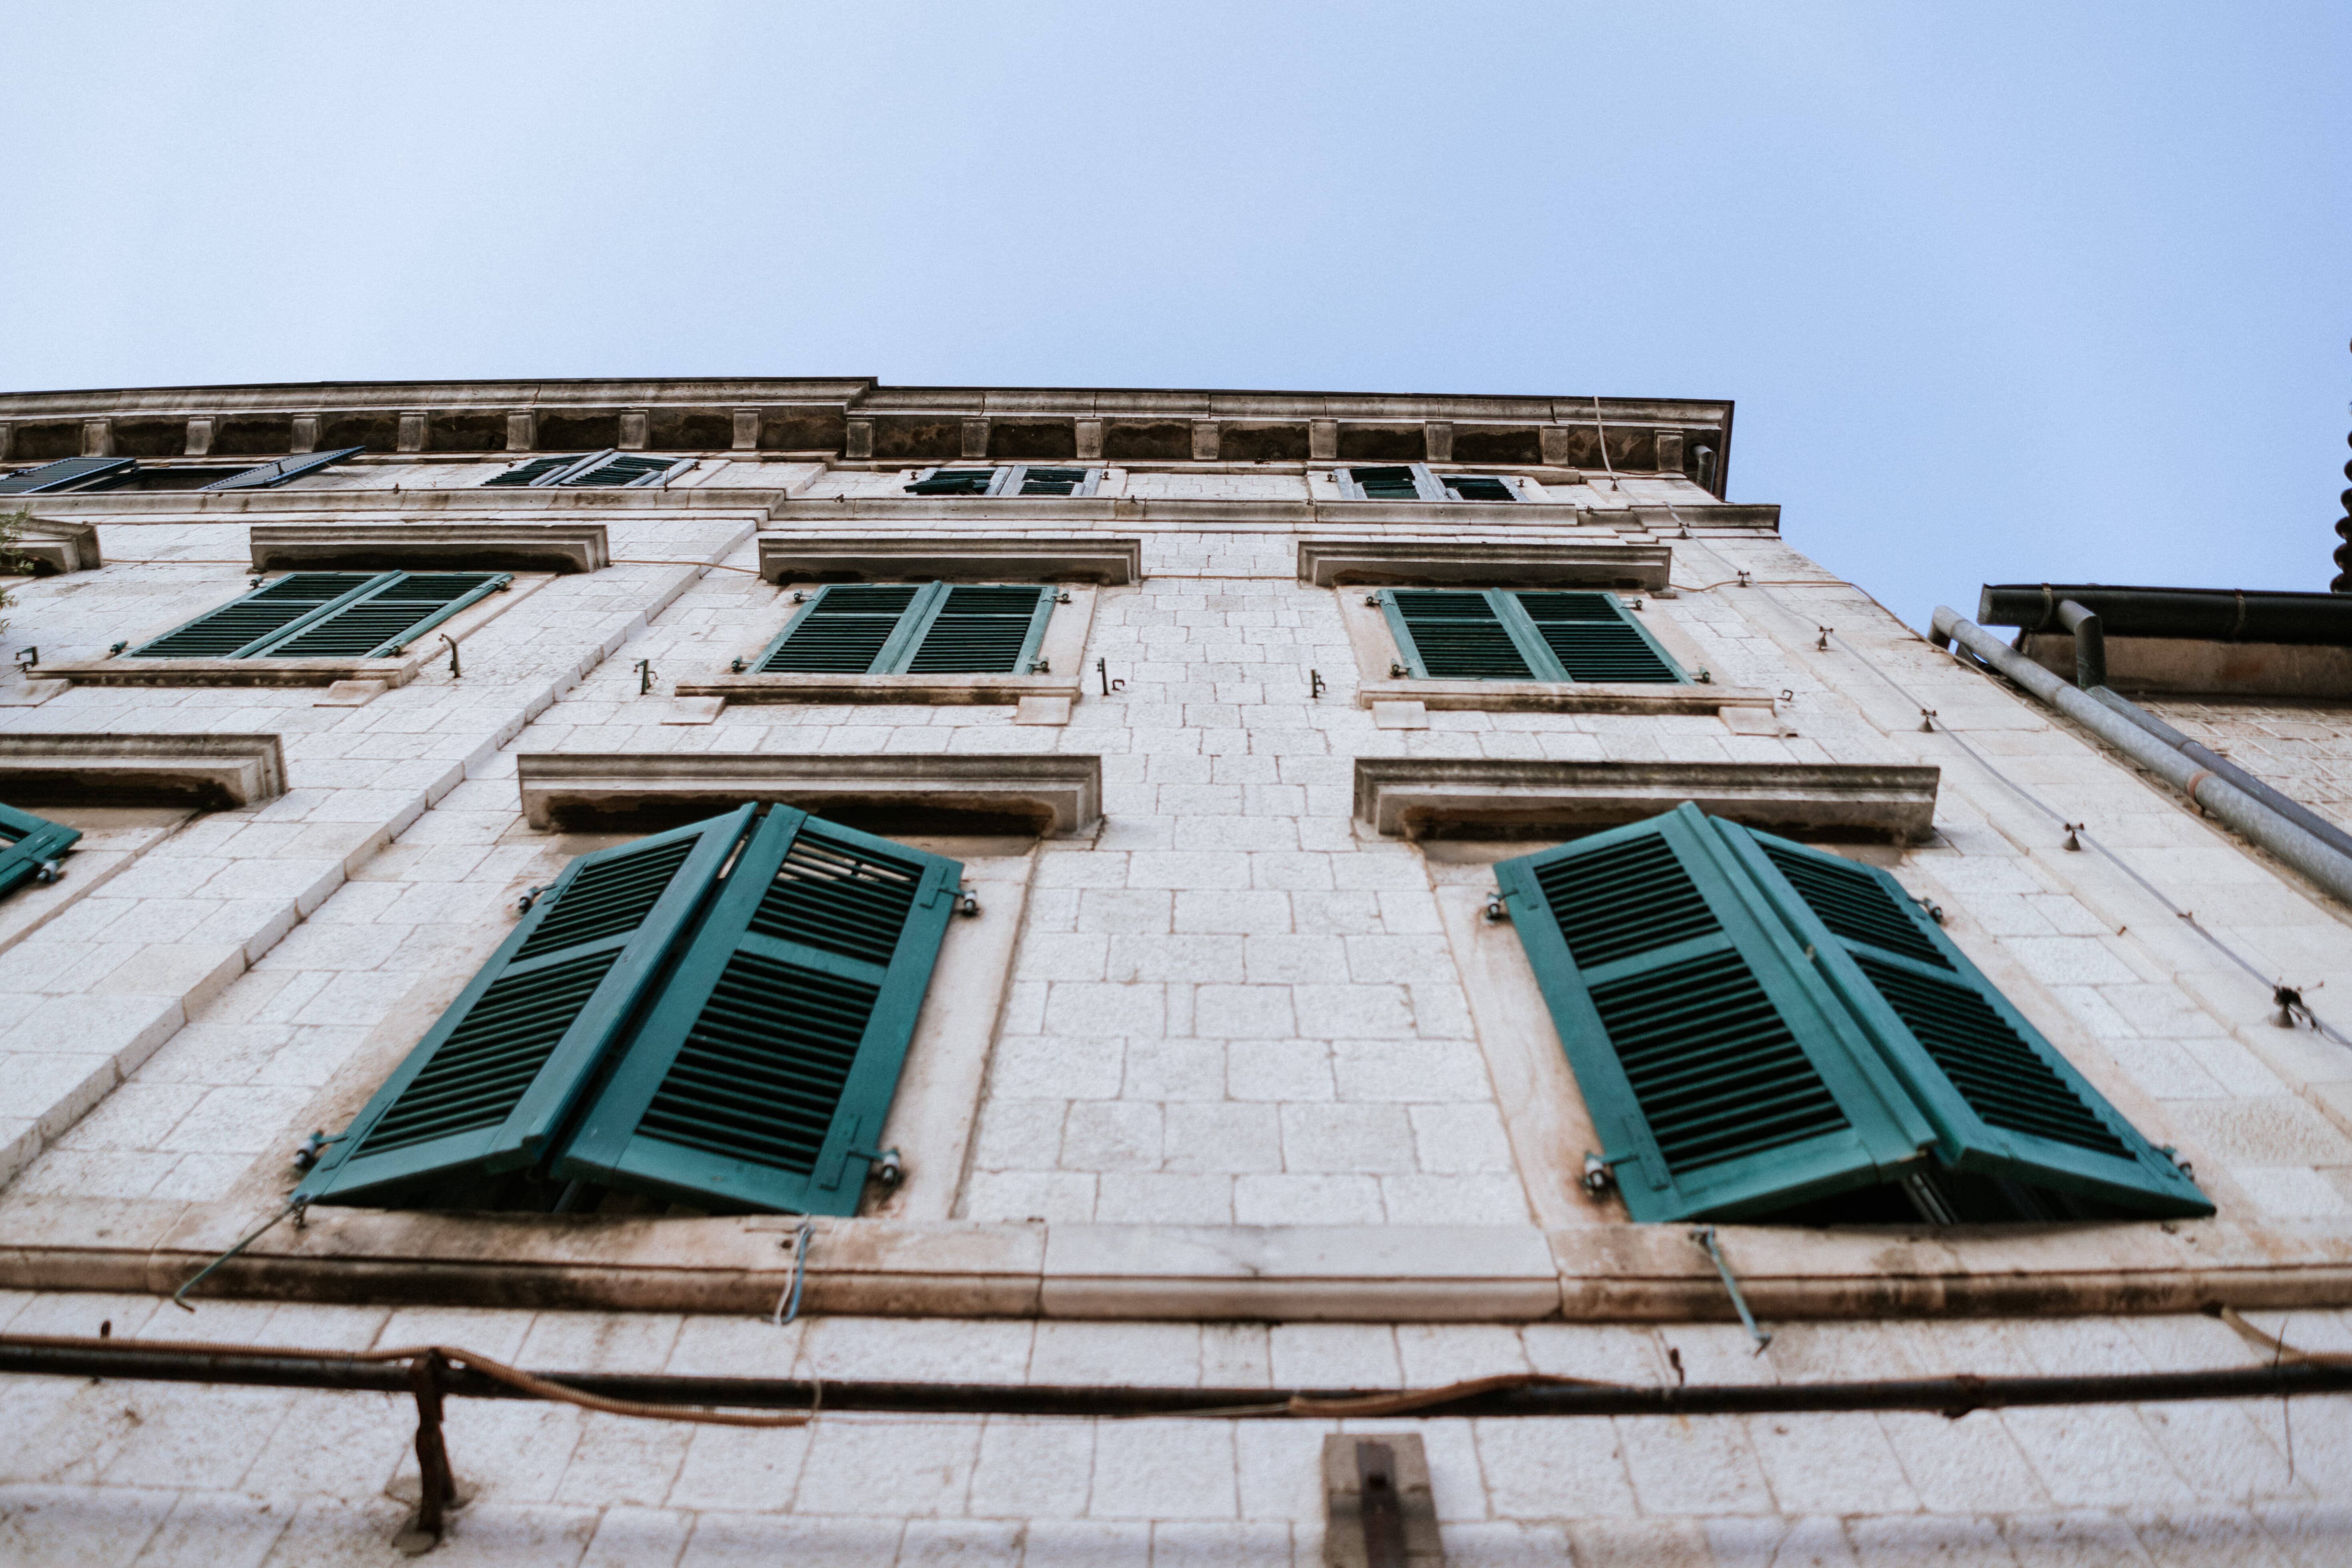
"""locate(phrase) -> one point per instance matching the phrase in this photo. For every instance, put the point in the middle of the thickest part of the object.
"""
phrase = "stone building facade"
(1233, 1081)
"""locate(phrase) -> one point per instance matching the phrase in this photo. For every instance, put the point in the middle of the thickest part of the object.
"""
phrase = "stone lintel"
(1327, 563)
(793, 558)
(559, 547)
(213, 771)
(1049, 795)
(1469, 797)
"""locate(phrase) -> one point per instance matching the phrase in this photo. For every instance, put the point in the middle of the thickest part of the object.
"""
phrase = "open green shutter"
(396, 609)
(1722, 1075)
(764, 1074)
(27, 843)
(2006, 1104)
(239, 628)
(1595, 637)
(981, 631)
(1455, 633)
(70, 474)
(619, 471)
(492, 1080)
(530, 473)
(844, 630)
(283, 470)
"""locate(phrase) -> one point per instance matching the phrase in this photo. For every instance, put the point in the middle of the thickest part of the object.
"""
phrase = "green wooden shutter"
(1594, 637)
(1478, 487)
(284, 470)
(980, 630)
(2006, 1104)
(27, 843)
(620, 470)
(954, 482)
(393, 613)
(770, 1063)
(70, 474)
(492, 1082)
(844, 630)
(1037, 481)
(1722, 1074)
(532, 472)
(1458, 634)
(244, 624)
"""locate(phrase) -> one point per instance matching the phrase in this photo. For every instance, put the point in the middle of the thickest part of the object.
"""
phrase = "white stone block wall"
(1233, 1006)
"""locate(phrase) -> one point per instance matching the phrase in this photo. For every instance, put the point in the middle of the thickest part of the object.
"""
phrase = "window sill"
(1564, 696)
(938, 690)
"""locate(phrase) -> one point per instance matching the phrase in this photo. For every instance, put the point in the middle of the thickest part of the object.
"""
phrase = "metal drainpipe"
(2090, 674)
(2235, 807)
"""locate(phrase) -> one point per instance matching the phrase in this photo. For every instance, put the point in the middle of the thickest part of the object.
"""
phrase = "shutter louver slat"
(979, 631)
(843, 632)
(495, 1076)
(1851, 903)
(248, 621)
(777, 1045)
(1457, 636)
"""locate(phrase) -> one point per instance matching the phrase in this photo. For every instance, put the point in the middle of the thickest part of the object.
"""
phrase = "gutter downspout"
(2206, 787)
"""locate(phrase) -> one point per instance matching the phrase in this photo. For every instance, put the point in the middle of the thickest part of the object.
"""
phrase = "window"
(914, 628)
(1763, 1030)
(676, 1017)
(30, 846)
(90, 474)
(1502, 634)
(327, 615)
(597, 470)
(1415, 481)
(1015, 479)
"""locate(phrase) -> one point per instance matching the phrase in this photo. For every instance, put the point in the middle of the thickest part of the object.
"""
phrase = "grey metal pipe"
(2090, 644)
(2235, 807)
(2217, 615)
(2293, 810)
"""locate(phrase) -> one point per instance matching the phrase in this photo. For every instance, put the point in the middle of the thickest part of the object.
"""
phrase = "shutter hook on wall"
(456, 672)
(27, 659)
(1102, 669)
(645, 677)
(1315, 684)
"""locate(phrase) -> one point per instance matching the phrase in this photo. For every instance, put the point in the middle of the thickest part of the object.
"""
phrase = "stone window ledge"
(1599, 1272)
(1473, 797)
(1048, 796)
(55, 547)
(1329, 563)
(788, 558)
(210, 771)
(371, 675)
(921, 690)
(555, 547)
(1565, 696)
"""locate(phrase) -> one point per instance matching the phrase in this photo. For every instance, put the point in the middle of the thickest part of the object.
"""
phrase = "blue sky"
(2048, 291)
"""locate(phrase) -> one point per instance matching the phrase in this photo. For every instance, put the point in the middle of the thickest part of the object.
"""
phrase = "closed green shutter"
(2006, 1104)
(1496, 634)
(842, 631)
(1595, 638)
(890, 628)
(243, 626)
(1054, 481)
(1720, 1072)
(1453, 634)
(491, 1082)
(1401, 481)
(763, 1075)
(326, 615)
(27, 843)
(620, 470)
(982, 630)
(387, 617)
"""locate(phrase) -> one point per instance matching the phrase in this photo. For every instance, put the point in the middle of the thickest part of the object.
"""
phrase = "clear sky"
(2003, 291)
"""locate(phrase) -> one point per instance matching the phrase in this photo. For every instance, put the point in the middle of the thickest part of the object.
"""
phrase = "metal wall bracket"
(1705, 1236)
